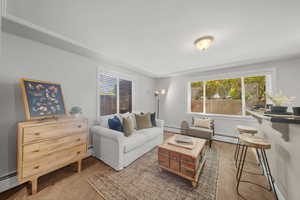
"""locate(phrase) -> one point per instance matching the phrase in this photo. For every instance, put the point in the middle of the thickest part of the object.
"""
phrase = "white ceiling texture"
(157, 36)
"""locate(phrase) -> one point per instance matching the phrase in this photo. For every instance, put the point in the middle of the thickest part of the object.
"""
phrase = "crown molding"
(23, 28)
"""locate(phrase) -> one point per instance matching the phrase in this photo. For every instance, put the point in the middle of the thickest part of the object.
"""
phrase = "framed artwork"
(42, 99)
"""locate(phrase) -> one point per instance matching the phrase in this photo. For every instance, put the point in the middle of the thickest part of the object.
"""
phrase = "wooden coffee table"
(182, 161)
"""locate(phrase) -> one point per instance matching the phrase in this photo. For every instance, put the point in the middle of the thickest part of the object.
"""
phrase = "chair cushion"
(200, 132)
(202, 122)
(139, 138)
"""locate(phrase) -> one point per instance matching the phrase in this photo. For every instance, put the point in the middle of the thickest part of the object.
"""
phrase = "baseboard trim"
(8, 183)
(279, 193)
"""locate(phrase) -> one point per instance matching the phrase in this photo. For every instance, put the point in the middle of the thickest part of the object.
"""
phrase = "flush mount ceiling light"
(204, 43)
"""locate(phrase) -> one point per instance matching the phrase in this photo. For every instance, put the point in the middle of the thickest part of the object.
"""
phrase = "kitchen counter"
(283, 132)
(290, 119)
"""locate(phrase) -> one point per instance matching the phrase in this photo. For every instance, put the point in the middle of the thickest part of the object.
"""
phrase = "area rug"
(142, 180)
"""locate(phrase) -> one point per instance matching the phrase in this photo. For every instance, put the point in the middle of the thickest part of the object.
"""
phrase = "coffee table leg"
(194, 183)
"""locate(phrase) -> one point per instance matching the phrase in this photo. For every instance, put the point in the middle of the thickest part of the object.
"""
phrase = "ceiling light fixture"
(204, 43)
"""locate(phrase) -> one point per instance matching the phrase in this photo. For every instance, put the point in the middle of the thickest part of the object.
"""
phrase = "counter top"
(292, 119)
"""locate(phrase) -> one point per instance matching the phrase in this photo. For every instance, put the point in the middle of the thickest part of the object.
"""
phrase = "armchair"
(200, 127)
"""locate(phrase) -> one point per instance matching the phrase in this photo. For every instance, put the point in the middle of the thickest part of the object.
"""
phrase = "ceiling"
(157, 36)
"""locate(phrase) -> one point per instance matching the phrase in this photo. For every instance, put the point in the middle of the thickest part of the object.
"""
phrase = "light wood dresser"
(47, 145)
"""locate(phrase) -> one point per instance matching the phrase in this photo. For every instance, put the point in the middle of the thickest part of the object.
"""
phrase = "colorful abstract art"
(42, 99)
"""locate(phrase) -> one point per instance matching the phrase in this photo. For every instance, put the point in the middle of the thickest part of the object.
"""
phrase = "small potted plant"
(279, 100)
(76, 111)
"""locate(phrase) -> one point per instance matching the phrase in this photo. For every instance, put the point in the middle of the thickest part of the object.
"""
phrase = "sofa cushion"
(104, 120)
(128, 125)
(143, 121)
(115, 124)
(131, 115)
(139, 138)
(153, 119)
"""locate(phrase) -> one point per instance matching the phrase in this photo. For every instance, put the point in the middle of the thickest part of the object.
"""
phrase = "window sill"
(239, 117)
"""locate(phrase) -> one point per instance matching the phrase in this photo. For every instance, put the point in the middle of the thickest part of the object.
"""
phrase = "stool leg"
(240, 158)
(268, 171)
(241, 166)
(259, 160)
(237, 154)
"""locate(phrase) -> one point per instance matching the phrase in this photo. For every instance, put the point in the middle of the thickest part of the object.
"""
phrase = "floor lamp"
(157, 94)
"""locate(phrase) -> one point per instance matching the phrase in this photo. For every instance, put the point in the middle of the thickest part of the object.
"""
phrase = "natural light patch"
(228, 96)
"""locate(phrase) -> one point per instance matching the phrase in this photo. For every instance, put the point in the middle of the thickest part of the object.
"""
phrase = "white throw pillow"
(202, 122)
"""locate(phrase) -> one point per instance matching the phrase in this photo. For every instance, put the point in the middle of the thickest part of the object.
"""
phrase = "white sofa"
(118, 151)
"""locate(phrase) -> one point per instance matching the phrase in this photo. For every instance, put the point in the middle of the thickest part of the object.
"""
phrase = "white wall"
(24, 58)
(174, 103)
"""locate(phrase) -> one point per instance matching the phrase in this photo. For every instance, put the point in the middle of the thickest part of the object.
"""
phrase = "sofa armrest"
(160, 123)
(108, 133)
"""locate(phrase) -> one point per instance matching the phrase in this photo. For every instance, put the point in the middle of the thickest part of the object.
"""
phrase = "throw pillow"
(143, 121)
(153, 120)
(202, 122)
(115, 124)
(128, 126)
(131, 115)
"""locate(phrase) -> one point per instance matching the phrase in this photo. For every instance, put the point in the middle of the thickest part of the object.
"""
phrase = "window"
(224, 97)
(228, 96)
(115, 95)
(197, 96)
(125, 102)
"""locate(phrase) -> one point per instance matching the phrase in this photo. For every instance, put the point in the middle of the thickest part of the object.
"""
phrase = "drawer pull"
(79, 126)
(36, 151)
(36, 134)
(78, 139)
(36, 167)
(78, 152)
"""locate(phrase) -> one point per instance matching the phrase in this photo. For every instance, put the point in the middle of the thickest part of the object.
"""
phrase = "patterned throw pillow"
(143, 121)
(115, 124)
(128, 126)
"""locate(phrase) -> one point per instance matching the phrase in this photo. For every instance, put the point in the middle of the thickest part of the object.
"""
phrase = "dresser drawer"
(38, 133)
(41, 149)
(53, 161)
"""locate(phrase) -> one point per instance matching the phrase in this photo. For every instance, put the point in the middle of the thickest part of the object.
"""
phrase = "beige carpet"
(143, 181)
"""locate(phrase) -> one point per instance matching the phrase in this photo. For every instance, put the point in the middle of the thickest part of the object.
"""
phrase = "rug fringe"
(95, 188)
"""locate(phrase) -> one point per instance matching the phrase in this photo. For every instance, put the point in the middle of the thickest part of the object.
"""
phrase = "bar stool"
(244, 130)
(260, 144)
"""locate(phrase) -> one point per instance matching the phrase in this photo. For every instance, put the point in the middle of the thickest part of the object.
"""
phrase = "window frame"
(118, 76)
(270, 87)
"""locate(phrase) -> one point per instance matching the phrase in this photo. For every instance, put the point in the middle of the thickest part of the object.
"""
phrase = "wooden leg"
(194, 184)
(34, 183)
(79, 166)
(160, 169)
